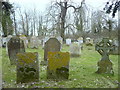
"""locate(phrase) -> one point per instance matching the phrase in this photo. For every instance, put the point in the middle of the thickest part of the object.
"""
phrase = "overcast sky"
(42, 4)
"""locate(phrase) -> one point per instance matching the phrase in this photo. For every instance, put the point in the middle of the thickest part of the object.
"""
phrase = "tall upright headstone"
(15, 45)
(27, 67)
(58, 65)
(52, 45)
(105, 64)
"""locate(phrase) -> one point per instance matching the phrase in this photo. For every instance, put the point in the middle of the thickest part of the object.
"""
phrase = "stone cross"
(104, 47)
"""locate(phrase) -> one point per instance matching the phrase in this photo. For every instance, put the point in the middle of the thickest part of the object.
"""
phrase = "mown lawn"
(82, 72)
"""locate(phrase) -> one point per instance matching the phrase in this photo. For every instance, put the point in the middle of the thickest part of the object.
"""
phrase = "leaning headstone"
(52, 45)
(68, 41)
(105, 64)
(25, 40)
(34, 42)
(58, 65)
(75, 49)
(27, 67)
(15, 45)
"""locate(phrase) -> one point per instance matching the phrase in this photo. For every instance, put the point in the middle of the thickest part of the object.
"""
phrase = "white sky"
(42, 4)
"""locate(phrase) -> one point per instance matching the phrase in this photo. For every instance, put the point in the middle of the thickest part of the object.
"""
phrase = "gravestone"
(4, 41)
(68, 41)
(7, 40)
(34, 42)
(0, 41)
(58, 65)
(45, 40)
(15, 45)
(25, 40)
(116, 48)
(52, 45)
(75, 49)
(60, 39)
(89, 41)
(105, 64)
(27, 67)
(80, 41)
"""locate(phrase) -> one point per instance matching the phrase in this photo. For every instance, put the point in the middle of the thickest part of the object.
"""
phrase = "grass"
(81, 75)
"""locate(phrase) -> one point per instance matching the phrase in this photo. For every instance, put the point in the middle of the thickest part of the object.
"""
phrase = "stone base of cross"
(105, 64)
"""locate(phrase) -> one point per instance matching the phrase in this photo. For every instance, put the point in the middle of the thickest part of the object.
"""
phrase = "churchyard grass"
(82, 72)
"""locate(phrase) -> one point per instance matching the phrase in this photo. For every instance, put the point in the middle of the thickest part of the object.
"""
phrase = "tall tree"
(62, 8)
(7, 22)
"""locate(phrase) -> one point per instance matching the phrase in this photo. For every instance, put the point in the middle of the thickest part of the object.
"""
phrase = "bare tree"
(60, 17)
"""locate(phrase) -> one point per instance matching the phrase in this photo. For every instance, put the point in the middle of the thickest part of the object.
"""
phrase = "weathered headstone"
(58, 65)
(80, 41)
(68, 41)
(25, 40)
(60, 39)
(7, 40)
(34, 42)
(15, 45)
(75, 49)
(89, 41)
(116, 47)
(105, 64)
(4, 41)
(45, 40)
(52, 45)
(27, 67)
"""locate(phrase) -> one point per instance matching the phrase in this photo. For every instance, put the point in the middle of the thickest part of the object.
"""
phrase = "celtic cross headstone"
(105, 64)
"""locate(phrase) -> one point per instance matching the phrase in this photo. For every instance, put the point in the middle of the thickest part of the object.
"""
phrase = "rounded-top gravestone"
(52, 45)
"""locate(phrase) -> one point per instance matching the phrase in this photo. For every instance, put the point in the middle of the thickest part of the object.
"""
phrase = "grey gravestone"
(80, 41)
(4, 41)
(25, 40)
(68, 41)
(15, 45)
(89, 41)
(116, 47)
(75, 49)
(105, 64)
(45, 40)
(34, 42)
(27, 67)
(52, 45)
(60, 39)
